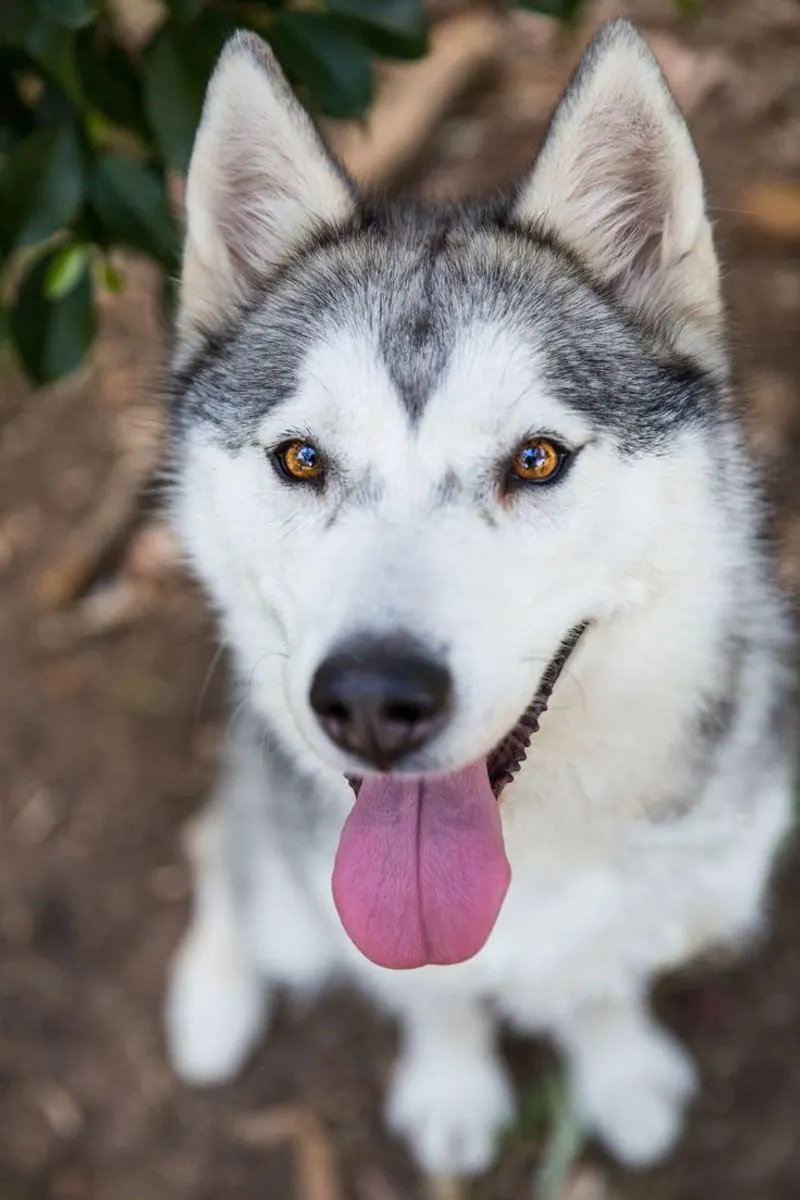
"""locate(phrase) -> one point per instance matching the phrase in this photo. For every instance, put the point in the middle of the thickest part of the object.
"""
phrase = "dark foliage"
(92, 121)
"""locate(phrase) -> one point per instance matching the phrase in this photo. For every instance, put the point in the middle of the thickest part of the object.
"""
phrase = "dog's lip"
(505, 760)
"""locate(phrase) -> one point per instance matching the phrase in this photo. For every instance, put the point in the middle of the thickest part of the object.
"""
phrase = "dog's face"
(437, 474)
(417, 448)
(458, 432)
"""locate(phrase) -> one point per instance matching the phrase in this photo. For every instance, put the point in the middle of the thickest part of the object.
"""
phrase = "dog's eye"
(538, 461)
(299, 460)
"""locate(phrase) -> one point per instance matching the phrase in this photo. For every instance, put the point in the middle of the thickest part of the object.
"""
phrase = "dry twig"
(315, 1167)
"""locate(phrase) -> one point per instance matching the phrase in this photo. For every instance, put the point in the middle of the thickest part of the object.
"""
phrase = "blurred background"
(112, 694)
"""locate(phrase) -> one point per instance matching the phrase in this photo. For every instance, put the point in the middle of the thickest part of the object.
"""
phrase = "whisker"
(215, 661)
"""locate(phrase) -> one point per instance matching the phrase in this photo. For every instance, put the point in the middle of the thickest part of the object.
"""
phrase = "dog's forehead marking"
(417, 329)
(418, 300)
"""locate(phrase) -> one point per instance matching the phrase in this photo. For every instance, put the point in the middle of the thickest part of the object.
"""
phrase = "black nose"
(380, 699)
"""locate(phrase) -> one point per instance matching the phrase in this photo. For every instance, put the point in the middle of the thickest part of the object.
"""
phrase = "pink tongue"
(421, 872)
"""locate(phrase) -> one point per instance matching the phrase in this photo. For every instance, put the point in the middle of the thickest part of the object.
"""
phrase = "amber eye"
(537, 461)
(299, 460)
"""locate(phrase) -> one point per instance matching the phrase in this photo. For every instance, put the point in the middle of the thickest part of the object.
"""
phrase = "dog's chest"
(575, 926)
(560, 932)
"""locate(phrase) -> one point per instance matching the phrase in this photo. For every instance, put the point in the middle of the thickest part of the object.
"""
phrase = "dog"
(471, 495)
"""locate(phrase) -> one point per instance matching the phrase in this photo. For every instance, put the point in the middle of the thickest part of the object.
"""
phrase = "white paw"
(451, 1111)
(633, 1092)
(216, 1008)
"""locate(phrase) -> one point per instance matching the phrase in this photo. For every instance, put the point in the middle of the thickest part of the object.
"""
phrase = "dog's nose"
(380, 700)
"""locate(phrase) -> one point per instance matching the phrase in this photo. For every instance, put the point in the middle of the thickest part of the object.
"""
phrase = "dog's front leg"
(216, 1000)
(450, 1095)
(630, 1080)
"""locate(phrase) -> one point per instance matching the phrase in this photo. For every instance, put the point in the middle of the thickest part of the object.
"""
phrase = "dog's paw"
(451, 1112)
(216, 1008)
(633, 1094)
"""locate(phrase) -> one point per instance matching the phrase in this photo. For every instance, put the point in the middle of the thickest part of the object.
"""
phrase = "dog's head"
(417, 447)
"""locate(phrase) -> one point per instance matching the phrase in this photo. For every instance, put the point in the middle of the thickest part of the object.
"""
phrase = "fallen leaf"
(445, 1187)
(773, 207)
(772, 405)
(106, 610)
(60, 1109)
(153, 552)
(586, 1184)
(18, 532)
(37, 818)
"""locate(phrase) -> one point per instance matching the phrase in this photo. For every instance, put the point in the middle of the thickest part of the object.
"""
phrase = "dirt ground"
(108, 743)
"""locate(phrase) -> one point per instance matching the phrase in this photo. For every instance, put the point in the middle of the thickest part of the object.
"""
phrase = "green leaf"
(41, 186)
(14, 21)
(565, 10)
(174, 98)
(51, 337)
(109, 277)
(177, 73)
(130, 201)
(72, 13)
(16, 118)
(65, 271)
(318, 55)
(34, 33)
(52, 47)
(399, 16)
(385, 43)
(110, 80)
(184, 10)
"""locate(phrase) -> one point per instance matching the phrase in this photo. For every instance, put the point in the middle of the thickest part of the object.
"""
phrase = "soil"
(109, 743)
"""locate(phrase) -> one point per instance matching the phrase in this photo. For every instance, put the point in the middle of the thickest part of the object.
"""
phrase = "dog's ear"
(618, 183)
(260, 183)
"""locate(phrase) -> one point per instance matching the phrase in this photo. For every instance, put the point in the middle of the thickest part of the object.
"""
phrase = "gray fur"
(417, 276)
(643, 824)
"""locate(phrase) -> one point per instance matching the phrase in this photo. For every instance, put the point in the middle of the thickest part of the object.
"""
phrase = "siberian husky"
(441, 469)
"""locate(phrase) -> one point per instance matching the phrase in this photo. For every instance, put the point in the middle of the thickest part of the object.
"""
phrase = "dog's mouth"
(421, 870)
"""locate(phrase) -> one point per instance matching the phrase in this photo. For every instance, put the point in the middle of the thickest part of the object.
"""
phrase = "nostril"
(334, 710)
(404, 714)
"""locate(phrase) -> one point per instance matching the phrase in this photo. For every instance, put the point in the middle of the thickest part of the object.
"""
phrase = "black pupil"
(533, 458)
(306, 457)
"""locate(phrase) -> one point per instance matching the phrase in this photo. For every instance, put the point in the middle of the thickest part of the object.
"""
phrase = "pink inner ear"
(618, 182)
(259, 183)
(621, 196)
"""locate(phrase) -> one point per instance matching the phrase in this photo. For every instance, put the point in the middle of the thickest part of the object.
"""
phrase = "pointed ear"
(260, 183)
(618, 183)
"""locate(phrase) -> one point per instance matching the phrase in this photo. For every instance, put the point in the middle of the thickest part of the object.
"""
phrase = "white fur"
(607, 887)
(217, 1000)
(601, 896)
